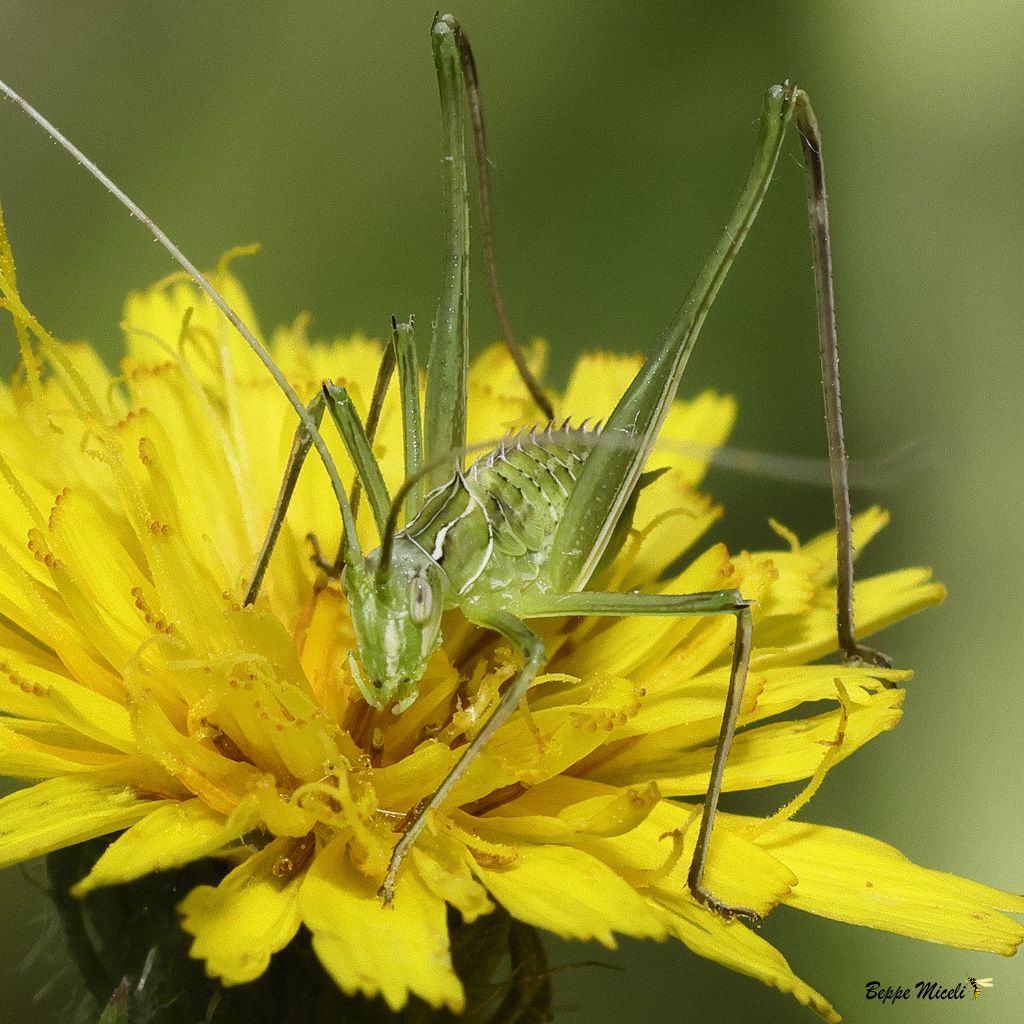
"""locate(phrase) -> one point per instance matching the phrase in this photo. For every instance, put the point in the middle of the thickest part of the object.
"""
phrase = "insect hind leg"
(734, 697)
(853, 652)
(719, 602)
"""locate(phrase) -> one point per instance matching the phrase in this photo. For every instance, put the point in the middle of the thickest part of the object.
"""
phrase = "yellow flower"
(139, 697)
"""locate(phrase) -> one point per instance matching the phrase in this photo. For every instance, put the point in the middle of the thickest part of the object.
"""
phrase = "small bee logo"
(978, 984)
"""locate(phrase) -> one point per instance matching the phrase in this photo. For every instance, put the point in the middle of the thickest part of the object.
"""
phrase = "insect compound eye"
(422, 600)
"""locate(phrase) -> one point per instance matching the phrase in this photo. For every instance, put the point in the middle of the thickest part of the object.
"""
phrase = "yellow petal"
(444, 865)
(30, 691)
(570, 893)
(766, 756)
(768, 692)
(620, 646)
(866, 525)
(25, 756)
(367, 947)
(247, 918)
(563, 808)
(736, 947)
(853, 878)
(401, 785)
(693, 429)
(736, 872)
(160, 311)
(498, 373)
(219, 780)
(637, 839)
(91, 370)
(670, 517)
(95, 574)
(61, 812)
(559, 737)
(172, 835)
(597, 382)
(879, 601)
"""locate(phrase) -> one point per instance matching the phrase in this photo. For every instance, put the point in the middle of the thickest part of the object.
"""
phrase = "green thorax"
(490, 528)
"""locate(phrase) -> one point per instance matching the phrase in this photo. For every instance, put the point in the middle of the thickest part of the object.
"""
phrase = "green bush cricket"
(521, 533)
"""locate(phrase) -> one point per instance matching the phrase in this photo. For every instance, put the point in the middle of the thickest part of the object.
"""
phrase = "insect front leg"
(720, 602)
(385, 372)
(301, 444)
(532, 648)
(358, 443)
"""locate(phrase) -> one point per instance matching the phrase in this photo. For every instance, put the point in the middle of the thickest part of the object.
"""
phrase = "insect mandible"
(520, 534)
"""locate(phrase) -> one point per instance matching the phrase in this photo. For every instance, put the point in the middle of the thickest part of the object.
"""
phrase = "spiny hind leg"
(734, 697)
(853, 652)
(721, 602)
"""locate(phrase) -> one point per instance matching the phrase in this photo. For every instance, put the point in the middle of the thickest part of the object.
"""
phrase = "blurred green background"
(621, 135)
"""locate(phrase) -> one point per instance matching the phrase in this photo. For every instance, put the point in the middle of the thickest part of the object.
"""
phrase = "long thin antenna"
(218, 300)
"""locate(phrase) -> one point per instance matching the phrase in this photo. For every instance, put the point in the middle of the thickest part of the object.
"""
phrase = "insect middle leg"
(530, 645)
